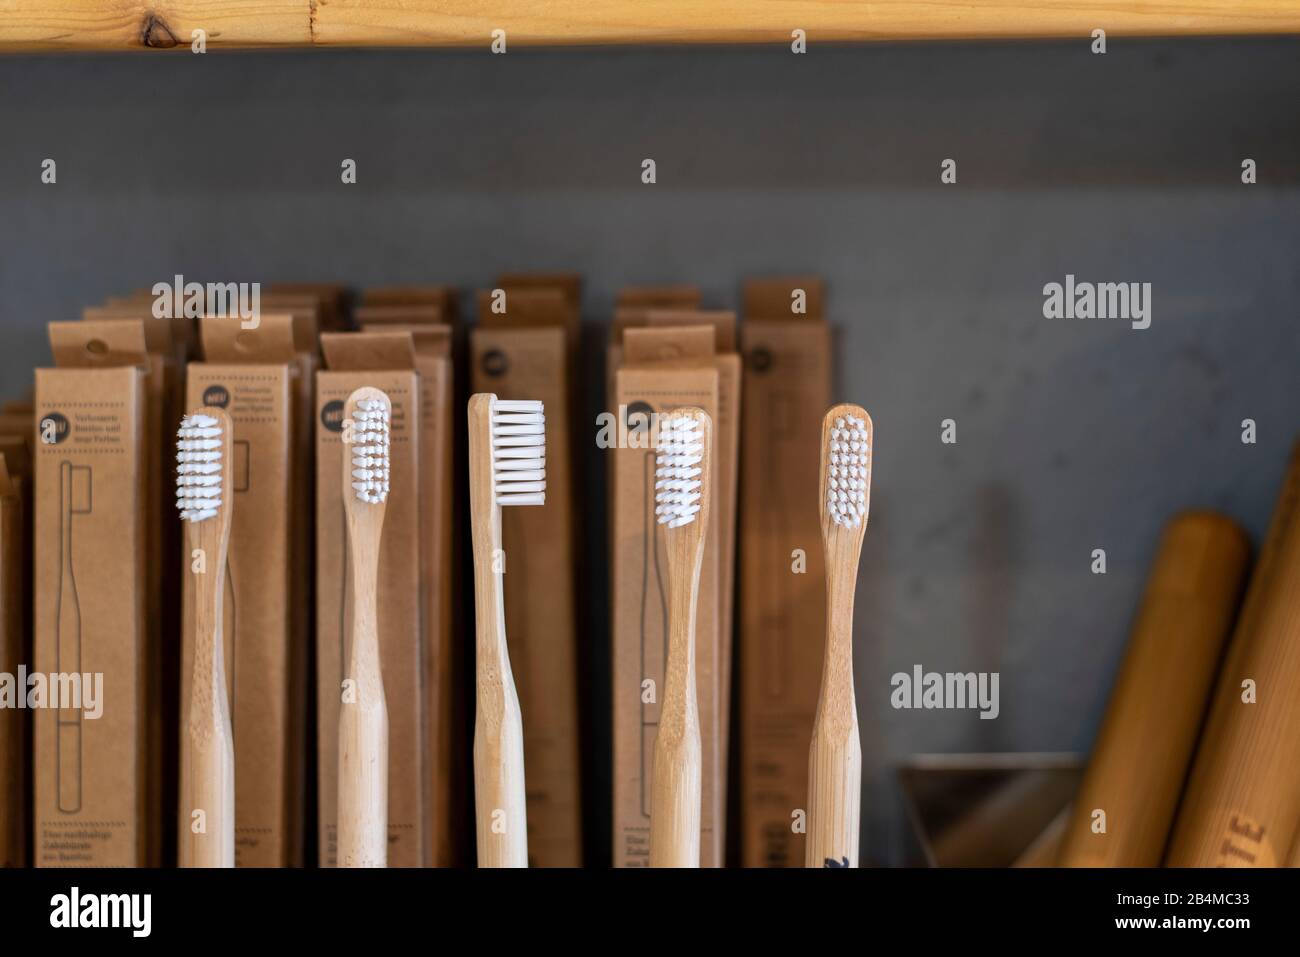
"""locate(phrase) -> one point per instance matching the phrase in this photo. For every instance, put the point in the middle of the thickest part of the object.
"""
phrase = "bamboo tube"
(1129, 794)
(1045, 849)
(1242, 803)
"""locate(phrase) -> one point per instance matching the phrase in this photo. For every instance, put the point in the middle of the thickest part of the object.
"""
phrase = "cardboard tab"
(98, 345)
(363, 351)
(225, 340)
(413, 314)
(668, 344)
(766, 299)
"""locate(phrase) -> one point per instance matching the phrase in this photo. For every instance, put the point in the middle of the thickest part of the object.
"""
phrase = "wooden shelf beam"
(107, 25)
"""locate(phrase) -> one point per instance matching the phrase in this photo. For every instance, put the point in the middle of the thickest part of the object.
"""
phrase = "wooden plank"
(167, 24)
(471, 22)
(34, 25)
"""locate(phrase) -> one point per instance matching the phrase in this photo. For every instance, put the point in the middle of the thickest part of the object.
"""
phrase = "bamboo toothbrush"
(682, 510)
(203, 496)
(363, 715)
(835, 758)
(507, 466)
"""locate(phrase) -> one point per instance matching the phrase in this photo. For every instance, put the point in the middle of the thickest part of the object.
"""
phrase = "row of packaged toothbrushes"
(91, 453)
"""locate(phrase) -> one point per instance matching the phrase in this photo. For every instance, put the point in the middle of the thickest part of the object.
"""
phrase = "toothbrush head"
(371, 413)
(682, 468)
(518, 452)
(846, 468)
(201, 443)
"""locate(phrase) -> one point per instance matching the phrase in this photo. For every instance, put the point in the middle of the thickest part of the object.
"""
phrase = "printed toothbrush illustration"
(835, 756)
(507, 466)
(75, 499)
(776, 627)
(653, 589)
(363, 714)
(205, 502)
(682, 510)
(240, 452)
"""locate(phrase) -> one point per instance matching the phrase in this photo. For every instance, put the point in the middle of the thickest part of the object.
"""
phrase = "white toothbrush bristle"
(370, 425)
(677, 471)
(518, 452)
(198, 467)
(848, 471)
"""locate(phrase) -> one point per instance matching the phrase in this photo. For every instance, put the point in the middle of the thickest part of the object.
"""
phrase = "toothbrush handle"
(834, 796)
(500, 809)
(363, 722)
(363, 783)
(212, 791)
(835, 756)
(211, 772)
(676, 796)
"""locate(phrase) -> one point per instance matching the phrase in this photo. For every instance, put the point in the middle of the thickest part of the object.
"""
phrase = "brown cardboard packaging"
(442, 297)
(727, 434)
(400, 315)
(631, 306)
(385, 361)
(147, 343)
(442, 654)
(680, 296)
(306, 309)
(165, 341)
(524, 353)
(664, 367)
(569, 284)
(309, 306)
(15, 650)
(782, 614)
(92, 800)
(421, 306)
(253, 375)
(330, 299)
(140, 305)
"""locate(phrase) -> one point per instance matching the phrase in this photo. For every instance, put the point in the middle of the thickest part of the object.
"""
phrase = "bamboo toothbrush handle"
(675, 797)
(835, 756)
(211, 814)
(363, 726)
(500, 811)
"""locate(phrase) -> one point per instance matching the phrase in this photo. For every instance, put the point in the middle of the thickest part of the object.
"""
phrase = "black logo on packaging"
(217, 396)
(494, 363)
(54, 428)
(331, 415)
